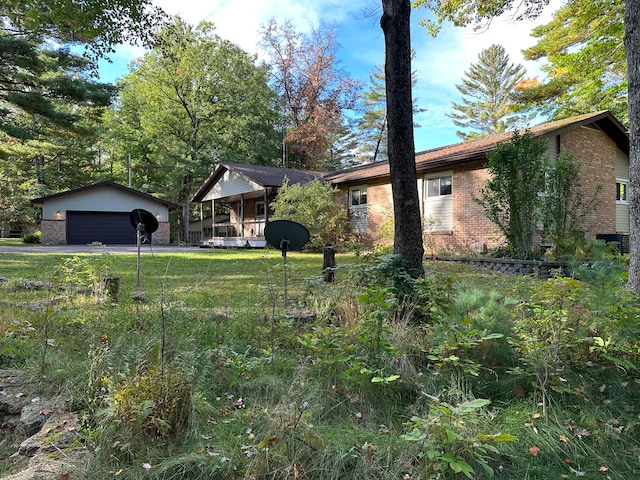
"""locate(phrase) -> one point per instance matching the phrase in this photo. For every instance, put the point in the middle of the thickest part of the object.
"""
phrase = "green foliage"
(586, 65)
(510, 198)
(85, 273)
(565, 205)
(313, 205)
(549, 329)
(152, 406)
(32, 237)
(450, 443)
(247, 392)
(102, 24)
(487, 106)
(467, 334)
(193, 100)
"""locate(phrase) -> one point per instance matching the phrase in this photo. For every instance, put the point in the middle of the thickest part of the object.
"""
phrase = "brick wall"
(54, 232)
(161, 235)
(597, 155)
(595, 151)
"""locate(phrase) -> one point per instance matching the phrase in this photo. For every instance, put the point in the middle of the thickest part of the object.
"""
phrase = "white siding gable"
(231, 183)
(101, 199)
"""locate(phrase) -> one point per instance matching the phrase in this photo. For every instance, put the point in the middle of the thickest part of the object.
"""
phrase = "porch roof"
(261, 175)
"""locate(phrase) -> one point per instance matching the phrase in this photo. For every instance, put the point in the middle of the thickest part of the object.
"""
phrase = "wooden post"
(329, 263)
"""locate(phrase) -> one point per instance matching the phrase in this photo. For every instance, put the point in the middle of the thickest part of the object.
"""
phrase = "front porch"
(231, 235)
(234, 204)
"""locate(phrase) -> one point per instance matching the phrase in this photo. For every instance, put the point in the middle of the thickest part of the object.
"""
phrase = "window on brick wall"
(358, 208)
(622, 191)
(438, 205)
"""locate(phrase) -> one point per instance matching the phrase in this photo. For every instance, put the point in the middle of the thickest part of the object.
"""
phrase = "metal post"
(139, 230)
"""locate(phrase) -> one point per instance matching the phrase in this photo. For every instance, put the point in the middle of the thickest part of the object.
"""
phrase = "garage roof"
(106, 183)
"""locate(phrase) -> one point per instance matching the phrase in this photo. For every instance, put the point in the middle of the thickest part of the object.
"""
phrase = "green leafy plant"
(449, 441)
(32, 237)
(565, 206)
(313, 204)
(510, 198)
(550, 323)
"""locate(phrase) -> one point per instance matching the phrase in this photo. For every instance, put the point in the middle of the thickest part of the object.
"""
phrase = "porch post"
(213, 217)
(242, 215)
(266, 210)
(201, 224)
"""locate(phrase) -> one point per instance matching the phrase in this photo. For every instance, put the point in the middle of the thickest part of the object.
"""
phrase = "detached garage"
(99, 213)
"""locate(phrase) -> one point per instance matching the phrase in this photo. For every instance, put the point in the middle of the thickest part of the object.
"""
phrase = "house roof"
(106, 183)
(478, 149)
(260, 174)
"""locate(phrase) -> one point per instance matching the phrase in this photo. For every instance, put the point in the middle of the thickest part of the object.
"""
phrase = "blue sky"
(440, 62)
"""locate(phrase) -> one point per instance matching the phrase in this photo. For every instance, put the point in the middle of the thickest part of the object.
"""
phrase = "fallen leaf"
(563, 438)
(528, 424)
(64, 476)
(604, 468)
(581, 432)
(534, 450)
(536, 415)
(603, 387)
(568, 460)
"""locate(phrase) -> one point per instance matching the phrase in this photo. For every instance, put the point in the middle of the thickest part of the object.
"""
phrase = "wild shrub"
(313, 205)
(549, 332)
(147, 407)
(510, 198)
(468, 342)
(451, 442)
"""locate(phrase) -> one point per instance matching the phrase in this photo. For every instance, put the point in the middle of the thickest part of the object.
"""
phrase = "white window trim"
(439, 176)
(625, 181)
(362, 188)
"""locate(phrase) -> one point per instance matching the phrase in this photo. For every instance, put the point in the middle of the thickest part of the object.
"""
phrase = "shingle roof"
(262, 175)
(106, 183)
(479, 148)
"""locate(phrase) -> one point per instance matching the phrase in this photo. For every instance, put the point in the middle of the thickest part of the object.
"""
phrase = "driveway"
(72, 249)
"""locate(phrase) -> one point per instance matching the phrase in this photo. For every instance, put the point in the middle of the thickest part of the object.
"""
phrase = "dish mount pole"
(284, 246)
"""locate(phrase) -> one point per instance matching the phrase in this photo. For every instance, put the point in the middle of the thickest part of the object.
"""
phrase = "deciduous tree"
(314, 206)
(510, 198)
(314, 90)
(197, 100)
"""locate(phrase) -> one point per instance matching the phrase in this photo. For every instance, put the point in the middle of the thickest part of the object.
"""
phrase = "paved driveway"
(71, 249)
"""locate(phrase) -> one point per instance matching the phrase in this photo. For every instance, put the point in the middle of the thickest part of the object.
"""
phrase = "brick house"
(449, 178)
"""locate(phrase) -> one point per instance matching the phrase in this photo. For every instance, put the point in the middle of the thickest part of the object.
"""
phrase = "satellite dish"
(139, 216)
(144, 223)
(286, 235)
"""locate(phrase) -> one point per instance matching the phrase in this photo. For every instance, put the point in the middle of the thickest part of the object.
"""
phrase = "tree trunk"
(185, 198)
(632, 47)
(395, 23)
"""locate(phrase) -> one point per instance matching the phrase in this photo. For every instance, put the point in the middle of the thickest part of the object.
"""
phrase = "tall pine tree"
(487, 106)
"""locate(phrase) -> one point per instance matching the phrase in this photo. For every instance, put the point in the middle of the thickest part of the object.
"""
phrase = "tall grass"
(332, 386)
